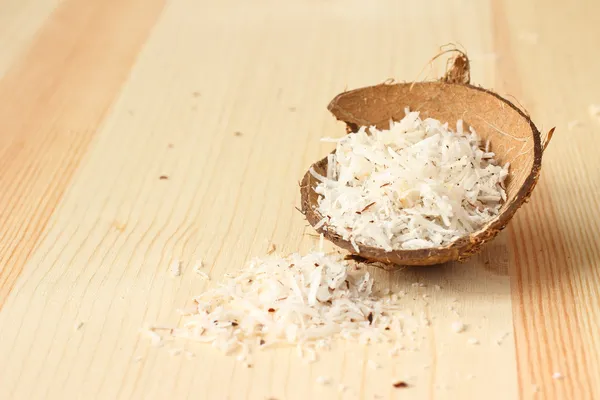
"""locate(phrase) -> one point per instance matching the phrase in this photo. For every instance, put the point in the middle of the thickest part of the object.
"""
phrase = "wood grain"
(53, 100)
(99, 99)
(554, 240)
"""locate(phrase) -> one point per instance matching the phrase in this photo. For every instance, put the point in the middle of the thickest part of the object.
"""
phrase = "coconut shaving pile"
(306, 301)
(417, 185)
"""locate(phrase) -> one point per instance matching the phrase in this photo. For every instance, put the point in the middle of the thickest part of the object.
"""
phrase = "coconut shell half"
(513, 137)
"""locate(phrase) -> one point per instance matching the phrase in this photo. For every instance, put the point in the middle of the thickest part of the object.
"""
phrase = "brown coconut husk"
(513, 137)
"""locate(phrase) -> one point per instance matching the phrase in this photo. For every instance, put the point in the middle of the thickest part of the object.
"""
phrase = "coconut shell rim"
(460, 249)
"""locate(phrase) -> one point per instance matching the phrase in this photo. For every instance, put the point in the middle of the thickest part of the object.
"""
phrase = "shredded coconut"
(176, 268)
(458, 327)
(305, 301)
(155, 338)
(557, 375)
(199, 265)
(417, 185)
(202, 275)
(323, 380)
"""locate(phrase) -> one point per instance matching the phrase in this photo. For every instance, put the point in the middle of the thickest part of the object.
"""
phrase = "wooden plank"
(20, 20)
(554, 239)
(106, 255)
(88, 229)
(52, 101)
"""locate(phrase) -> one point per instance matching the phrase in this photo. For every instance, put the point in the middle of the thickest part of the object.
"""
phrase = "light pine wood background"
(98, 98)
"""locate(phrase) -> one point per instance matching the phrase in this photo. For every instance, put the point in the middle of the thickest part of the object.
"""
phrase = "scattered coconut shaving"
(557, 375)
(202, 275)
(305, 301)
(458, 327)
(417, 185)
(155, 338)
(176, 268)
(323, 380)
(198, 266)
(473, 341)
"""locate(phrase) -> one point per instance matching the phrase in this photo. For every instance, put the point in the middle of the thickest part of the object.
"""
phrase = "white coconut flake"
(457, 327)
(373, 364)
(202, 275)
(417, 185)
(176, 268)
(473, 341)
(300, 300)
(155, 338)
(557, 375)
(78, 325)
(198, 266)
(323, 380)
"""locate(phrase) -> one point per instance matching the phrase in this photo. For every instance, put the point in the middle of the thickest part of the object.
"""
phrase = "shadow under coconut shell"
(482, 277)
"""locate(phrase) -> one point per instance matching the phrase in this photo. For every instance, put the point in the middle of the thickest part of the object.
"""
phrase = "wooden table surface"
(99, 98)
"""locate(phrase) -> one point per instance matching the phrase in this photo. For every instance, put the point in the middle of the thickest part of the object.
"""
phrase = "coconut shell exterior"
(513, 137)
